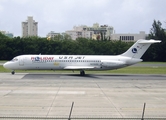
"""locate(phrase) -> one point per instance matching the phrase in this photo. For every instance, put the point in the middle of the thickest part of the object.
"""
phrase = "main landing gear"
(13, 72)
(82, 72)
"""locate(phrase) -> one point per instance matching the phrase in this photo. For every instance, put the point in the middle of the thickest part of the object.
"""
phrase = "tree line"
(11, 47)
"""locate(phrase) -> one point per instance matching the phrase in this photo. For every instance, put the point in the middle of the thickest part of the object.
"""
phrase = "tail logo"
(134, 50)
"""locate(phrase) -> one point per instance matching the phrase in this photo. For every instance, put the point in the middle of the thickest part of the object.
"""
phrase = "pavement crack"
(109, 100)
(54, 99)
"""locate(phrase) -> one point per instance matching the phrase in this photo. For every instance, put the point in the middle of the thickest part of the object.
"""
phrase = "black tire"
(82, 73)
(12, 72)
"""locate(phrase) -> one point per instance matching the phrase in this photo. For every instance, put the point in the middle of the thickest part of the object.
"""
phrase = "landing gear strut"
(82, 72)
(13, 72)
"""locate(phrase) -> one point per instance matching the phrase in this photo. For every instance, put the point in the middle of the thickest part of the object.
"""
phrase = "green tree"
(156, 52)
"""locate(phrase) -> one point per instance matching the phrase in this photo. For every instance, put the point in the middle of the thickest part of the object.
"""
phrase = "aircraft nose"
(6, 65)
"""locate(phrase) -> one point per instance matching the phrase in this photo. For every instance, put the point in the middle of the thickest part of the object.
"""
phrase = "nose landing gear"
(13, 72)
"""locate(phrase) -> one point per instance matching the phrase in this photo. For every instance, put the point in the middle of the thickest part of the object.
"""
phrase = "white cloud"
(125, 16)
(21, 2)
(1, 9)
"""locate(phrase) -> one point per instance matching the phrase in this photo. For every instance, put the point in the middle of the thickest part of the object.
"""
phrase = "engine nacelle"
(112, 63)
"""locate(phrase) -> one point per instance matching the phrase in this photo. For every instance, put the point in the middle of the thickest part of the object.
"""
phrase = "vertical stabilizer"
(139, 48)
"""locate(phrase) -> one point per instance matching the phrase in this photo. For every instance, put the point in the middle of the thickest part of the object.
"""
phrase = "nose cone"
(7, 65)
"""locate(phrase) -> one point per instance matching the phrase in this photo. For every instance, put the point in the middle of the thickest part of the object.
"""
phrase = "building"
(29, 27)
(106, 30)
(3, 32)
(79, 33)
(52, 35)
(129, 37)
(90, 32)
(8, 34)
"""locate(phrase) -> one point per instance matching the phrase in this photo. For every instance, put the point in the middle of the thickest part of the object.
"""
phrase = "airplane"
(80, 62)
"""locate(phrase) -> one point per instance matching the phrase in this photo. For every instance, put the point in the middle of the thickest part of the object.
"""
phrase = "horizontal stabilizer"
(149, 41)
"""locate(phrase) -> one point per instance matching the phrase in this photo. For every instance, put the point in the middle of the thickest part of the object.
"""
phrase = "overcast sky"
(126, 16)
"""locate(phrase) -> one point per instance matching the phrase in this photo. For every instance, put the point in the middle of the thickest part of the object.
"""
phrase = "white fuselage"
(71, 62)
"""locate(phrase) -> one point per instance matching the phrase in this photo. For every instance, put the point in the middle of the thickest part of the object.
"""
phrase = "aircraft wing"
(78, 67)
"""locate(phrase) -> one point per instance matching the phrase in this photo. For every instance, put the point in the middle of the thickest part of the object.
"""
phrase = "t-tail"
(139, 48)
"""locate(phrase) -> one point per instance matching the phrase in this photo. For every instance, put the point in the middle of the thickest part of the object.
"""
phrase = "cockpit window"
(15, 59)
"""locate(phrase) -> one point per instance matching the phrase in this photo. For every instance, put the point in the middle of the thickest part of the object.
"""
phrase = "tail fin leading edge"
(139, 48)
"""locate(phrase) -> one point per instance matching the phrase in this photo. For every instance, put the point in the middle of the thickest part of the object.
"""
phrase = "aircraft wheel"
(82, 72)
(13, 72)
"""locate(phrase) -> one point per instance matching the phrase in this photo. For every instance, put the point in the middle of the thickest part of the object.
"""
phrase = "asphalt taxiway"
(94, 95)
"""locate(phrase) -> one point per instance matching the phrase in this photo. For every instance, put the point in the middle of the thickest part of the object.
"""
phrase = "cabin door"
(21, 61)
